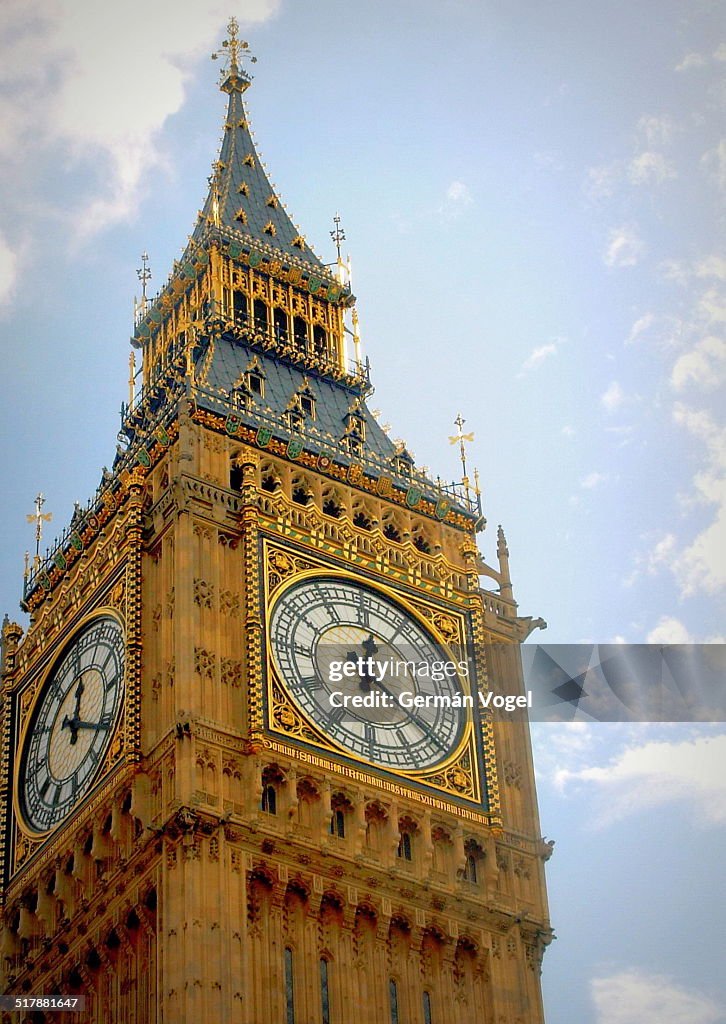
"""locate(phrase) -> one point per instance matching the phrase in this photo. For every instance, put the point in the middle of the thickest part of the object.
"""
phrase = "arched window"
(405, 847)
(427, 1008)
(320, 340)
(470, 868)
(289, 988)
(239, 300)
(281, 326)
(324, 991)
(393, 997)
(337, 823)
(300, 333)
(268, 803)
(261, 316)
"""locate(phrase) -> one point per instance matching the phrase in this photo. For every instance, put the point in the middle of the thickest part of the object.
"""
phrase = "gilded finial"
(132, 377)
(39, 517)
(356, 339)
(233, 49)
(337, 234)
(462, 439)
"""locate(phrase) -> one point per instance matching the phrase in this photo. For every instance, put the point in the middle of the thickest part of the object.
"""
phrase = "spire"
(242, 203)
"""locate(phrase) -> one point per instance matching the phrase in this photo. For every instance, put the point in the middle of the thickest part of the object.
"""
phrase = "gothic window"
(474, 854)
(289, 988)
(324, 991)
(332, 505)
(300, 333)
(307, 404)
(393, 999)
(407, 830)
(355, 445)
(268, 803)
(405, 847)
(281, 326)
(337, 823)
(256, 378)
(403, 461)
(421, 543)
(301, 496)
(269, 480)
(391, 532)
(261, 314)
(427, 1008)
(239, 306)
(320, 340)
(295, 418)
(361, 520)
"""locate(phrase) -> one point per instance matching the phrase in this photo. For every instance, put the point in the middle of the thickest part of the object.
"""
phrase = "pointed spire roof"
(241, 202)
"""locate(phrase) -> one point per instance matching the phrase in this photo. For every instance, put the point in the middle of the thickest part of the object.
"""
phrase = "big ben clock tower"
(221, 799)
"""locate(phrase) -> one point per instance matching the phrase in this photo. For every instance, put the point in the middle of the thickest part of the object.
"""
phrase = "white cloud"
(457, 198)
(720, 52)
(701, 566)
(640, 327)
(624, 248)
(690, 61)
(669, 630)
(711, 266)
(656, 130)
(704, 365)
(636, 997)
(650, 168)
(8, 271)
(538, 355)
(613, 397)
(657, 773)
(66, 71)
(593, 480)
(601, 181)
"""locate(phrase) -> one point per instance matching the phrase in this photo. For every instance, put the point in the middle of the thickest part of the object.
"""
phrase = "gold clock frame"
(28, 702)
(460, 774)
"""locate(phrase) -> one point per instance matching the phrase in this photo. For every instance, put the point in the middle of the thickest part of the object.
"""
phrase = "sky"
(533, 201)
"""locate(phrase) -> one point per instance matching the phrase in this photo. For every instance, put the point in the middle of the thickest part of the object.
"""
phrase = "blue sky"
(533, 197)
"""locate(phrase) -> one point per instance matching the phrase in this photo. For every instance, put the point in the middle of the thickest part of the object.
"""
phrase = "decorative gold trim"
(27, 712)
(457, 774)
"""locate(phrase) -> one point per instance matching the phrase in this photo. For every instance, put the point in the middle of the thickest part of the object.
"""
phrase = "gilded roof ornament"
(232, 52)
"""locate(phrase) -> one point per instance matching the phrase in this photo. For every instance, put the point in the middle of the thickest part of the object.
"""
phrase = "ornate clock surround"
(466, 779)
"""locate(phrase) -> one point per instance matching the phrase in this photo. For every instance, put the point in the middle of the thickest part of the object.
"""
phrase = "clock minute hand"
(90, 725)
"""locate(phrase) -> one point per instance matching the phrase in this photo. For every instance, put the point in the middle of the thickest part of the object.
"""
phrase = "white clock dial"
(72, 724)
(327, 619)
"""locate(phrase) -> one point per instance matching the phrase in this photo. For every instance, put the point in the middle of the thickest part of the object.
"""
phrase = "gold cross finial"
(39, 517)
(338, 234)
(462, 439)
(233, 48)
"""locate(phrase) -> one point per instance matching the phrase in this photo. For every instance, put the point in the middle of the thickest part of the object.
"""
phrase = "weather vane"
(232, 48)
(462, 439)
(338, 235)
(38, 517)
(144, 275)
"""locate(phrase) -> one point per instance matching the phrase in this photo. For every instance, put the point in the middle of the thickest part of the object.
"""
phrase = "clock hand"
(90, 725)
(79, 693)
(369, 649)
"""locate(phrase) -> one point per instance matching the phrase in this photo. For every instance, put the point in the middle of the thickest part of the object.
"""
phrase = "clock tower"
(246, 773)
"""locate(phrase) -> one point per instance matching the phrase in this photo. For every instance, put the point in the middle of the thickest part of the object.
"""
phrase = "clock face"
(321, 624)
(73, 724)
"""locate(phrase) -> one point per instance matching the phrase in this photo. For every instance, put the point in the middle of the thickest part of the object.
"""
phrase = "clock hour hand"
(369, 649)
(72, 723)
(91, 725)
